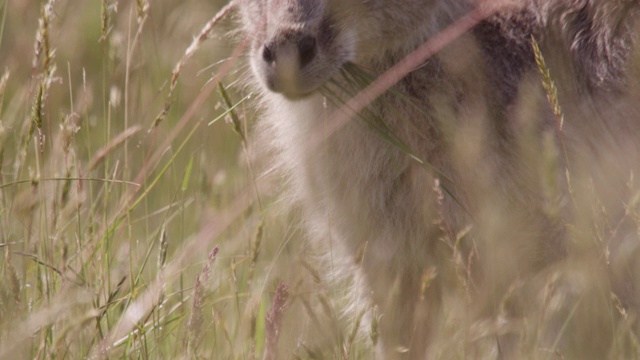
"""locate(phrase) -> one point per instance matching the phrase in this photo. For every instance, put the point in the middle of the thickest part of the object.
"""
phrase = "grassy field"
(131, 221)
(119, 177)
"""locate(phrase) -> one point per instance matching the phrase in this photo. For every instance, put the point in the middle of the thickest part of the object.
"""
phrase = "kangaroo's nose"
(304, 48)
(267, 54)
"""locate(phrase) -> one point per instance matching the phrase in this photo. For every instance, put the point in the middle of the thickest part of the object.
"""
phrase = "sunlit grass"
(109, 209)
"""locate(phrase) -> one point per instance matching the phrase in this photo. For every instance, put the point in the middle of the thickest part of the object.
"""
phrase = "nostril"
(267, 55)
(307, 50)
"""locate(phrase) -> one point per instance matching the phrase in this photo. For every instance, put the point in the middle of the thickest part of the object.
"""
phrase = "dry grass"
(107, 208)
(132, 226)
(117, 179)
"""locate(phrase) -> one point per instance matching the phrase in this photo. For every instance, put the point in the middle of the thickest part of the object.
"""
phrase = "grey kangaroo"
(454, 194)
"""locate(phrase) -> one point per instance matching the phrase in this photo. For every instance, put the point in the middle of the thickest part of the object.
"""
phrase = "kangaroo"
(438, 188)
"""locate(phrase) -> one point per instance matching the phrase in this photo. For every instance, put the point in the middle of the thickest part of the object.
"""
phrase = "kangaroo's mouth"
(297, 95)
(292, 87)
(295, 82)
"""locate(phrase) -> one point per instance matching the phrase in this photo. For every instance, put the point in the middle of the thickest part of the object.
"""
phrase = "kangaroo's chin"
(296, 96)
(289, 91)
(301, 86)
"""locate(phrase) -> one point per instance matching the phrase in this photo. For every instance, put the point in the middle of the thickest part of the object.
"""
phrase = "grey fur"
(371, 198)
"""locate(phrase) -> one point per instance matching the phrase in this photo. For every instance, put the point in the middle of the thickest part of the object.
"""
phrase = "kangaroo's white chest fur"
(358, 188)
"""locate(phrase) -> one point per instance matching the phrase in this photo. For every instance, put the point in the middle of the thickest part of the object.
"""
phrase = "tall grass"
(115, 184)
